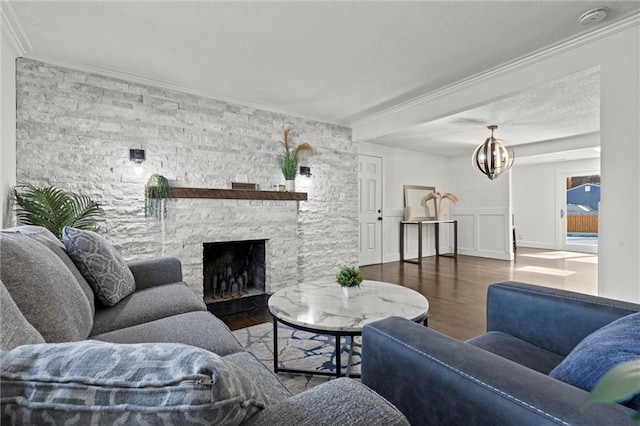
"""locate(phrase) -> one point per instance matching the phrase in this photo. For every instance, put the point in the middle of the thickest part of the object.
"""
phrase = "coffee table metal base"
(336, 334)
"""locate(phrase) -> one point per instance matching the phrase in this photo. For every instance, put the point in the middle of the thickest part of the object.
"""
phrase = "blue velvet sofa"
(501, 377)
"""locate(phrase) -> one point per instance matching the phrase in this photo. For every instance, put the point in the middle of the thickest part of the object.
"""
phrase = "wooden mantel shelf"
(235, 194)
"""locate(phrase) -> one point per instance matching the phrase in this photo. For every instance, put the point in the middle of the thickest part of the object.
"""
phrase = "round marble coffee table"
(321, 307)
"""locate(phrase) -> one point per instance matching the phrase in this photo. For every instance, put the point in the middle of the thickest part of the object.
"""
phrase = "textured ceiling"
(556, 110)
(332, 61)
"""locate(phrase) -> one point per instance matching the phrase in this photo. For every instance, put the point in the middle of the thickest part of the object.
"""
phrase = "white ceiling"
(332, 61)
(555, 111)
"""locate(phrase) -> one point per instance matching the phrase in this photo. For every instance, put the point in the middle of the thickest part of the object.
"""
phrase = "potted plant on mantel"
(291, 159)
(348, 278)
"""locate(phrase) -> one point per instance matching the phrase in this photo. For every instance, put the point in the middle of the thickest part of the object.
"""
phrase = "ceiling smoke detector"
(593, 16)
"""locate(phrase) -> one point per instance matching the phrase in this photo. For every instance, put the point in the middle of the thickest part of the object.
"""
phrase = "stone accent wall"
(75, 129)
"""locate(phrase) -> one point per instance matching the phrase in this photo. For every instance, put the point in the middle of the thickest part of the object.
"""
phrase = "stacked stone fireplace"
(233, 269)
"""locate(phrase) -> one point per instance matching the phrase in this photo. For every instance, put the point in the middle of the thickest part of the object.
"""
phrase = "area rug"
(298, 349)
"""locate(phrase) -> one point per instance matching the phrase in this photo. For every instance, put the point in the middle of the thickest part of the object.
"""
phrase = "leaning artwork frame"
(413, 206)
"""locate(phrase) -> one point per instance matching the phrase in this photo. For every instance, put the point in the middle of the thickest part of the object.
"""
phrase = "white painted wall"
(619, 226)
(535, 200)
(482, 211)
(8, 55)
(401, 167)
(617, 53)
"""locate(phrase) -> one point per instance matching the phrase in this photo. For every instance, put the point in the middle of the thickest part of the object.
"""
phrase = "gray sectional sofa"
(49, 308)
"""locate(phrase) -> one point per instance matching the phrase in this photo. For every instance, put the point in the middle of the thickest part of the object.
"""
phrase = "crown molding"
(12, 30)
(167, 85)
(18, 39)
(522, 62)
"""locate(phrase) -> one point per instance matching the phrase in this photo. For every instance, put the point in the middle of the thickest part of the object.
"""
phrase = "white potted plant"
(348, 278)
(291, 159)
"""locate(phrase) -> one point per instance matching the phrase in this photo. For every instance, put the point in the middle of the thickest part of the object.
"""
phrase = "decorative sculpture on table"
(438, 196)
(415, 208)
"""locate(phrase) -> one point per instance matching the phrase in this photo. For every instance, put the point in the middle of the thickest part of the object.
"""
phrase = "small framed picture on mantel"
(245, 186)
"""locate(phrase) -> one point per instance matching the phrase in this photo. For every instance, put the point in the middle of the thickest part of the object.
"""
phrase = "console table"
(436, 224)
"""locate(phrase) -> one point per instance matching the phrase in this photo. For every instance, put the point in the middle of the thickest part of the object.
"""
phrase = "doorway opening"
(581, 201)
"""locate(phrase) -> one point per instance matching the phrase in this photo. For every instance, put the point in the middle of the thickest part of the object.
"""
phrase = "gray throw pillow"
(95, 382)
(49, 240)
(599, 352)
(44, 289)
(100, 263)
(16, 330)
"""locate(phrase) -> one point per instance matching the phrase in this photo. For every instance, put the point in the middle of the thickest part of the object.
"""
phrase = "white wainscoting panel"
(484, 232)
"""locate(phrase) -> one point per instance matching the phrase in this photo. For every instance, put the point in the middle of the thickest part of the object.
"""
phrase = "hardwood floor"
(456, 290)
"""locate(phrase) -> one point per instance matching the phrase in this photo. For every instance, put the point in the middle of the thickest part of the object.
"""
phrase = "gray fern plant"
(54, 209)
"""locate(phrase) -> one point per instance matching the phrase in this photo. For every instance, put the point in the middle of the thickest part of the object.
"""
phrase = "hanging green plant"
(156, 192)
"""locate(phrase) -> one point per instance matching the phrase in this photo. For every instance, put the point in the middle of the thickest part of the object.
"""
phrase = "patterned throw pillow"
(93, 382)
(100, 264)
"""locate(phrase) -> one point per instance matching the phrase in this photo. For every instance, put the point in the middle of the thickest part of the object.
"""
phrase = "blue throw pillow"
(599, 352)
(93, 382)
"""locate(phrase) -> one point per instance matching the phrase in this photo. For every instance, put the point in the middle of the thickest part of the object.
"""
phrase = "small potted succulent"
(348, 278)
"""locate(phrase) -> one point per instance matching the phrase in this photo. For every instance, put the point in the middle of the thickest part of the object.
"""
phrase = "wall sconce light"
(137, 157)
(493, 157)
(305, 171)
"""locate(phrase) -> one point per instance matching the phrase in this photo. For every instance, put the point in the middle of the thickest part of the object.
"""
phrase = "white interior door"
(370, 209)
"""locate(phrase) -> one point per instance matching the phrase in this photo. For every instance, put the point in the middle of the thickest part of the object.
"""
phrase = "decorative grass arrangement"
(439, 196)
(54, 209)
(156, 192)
(349, 277)
(292, 155)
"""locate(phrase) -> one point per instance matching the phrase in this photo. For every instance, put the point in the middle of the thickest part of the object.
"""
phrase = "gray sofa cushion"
(147, 305)
(94, 382)
(44, 289)
(200, 329)
(156, 271)
(264, 378)
(338, 402)
(100, 264)
(16, 330)
(49, 240)
(517, 350)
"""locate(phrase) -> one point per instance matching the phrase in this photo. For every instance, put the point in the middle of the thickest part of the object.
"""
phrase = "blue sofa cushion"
(93, 382)
(517, 350)
(100, 263)
(599, 352)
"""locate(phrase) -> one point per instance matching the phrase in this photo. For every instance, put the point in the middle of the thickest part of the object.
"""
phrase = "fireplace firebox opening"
(233, 269)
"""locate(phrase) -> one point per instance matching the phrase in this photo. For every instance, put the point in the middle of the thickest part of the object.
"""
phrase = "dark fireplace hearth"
(233, 270)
